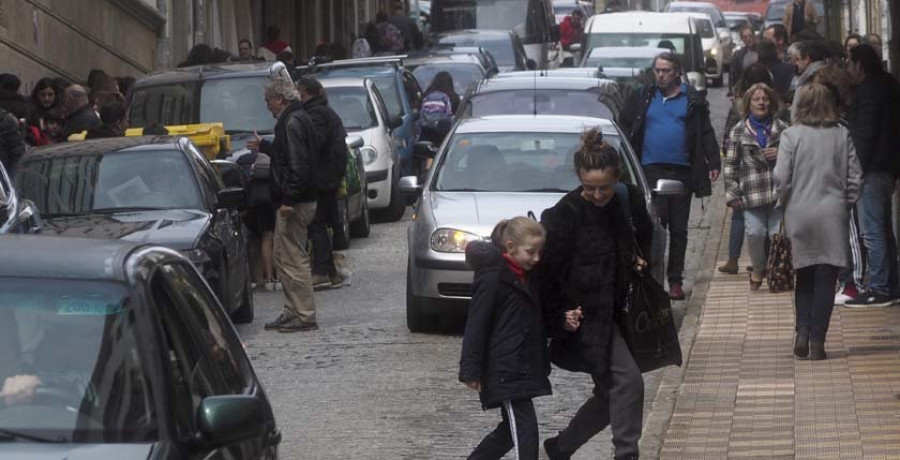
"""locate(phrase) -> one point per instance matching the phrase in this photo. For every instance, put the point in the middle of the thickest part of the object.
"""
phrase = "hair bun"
(592, 140)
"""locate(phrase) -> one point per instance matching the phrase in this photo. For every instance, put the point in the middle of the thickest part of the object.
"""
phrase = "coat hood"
(481, 255)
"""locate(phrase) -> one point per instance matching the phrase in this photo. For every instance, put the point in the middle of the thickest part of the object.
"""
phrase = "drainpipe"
(162, 40)
(199, 21)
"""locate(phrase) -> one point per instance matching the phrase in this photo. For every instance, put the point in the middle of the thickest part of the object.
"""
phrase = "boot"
(730, 267)
(801, 343)
(817, 351)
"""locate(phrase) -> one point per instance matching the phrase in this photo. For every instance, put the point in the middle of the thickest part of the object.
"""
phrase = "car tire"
(340, 237)
(244, 313)
(363, 225)
(416, 319)
(397, 206)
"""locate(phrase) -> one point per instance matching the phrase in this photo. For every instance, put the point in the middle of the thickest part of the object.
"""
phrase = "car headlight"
(451, 240)
(369, 154)
(198, 257)
(713, 52)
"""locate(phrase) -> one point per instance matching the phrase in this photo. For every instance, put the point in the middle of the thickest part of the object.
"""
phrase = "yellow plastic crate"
(210, 138)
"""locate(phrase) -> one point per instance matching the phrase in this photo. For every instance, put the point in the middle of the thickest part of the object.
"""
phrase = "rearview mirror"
(355, 142)
(410, 184)
(669, 187)
(225, 420)
(231, 198)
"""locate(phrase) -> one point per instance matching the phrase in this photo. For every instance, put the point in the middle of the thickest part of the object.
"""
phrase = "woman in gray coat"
(817, 178)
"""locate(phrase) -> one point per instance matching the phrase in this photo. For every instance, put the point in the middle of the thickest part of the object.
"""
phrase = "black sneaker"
(277, 322)
(320, 282)
(337, 281)
(297, 325)
(870, 300)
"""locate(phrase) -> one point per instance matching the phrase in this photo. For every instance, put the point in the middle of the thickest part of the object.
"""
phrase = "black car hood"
(177, 228)
(42, 451)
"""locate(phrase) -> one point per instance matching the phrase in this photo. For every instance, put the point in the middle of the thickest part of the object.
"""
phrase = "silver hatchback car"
(489, 169)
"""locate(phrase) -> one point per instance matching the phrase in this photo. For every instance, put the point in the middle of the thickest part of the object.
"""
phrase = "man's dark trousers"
(326, 215)
(674, 214)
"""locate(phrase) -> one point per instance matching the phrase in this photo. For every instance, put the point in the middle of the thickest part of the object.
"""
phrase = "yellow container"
(210, 138)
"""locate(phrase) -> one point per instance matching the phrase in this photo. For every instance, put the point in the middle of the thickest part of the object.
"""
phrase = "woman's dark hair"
(768, 51)
(337, 51)
(94, 76)
(756, 73)
(857, 37)
(309, 84)
(595, 154)
(41, 85)
(867, 58)
(247, 41)
(443, 82)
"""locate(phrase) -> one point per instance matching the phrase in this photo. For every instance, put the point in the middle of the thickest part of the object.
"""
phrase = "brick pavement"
(745, 396)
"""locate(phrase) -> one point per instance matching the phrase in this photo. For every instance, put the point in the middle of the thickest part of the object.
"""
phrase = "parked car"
(713, 49)
(399, 90)
(135, 357)
(231, 94)
(653, 30)
(467, 66)
(504, 45)
(527, 93)
(722, 32)
(775, 13)
(563, 8)
(736, 20)
(361, 107)
(494, 168)
(153, 189)
(17, 215)
(628, 66)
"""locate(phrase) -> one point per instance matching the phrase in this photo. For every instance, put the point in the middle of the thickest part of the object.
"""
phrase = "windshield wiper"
(10, 435)
(124, 209)
(546, 190)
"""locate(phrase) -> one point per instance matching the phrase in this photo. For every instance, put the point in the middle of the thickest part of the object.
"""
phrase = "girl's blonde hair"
(516, 230)
(816, 106)
(774, 101)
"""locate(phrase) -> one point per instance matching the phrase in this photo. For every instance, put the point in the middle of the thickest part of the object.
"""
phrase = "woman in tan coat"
(807, 20)
(817, 178)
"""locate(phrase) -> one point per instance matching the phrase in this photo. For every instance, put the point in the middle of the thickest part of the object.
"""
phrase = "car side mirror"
(231, 198)
(232, 175)
(355, 142)
(230, 419)
(410, 185)
(575, 47)
(394, 123)
(669, 187)
(530, 64)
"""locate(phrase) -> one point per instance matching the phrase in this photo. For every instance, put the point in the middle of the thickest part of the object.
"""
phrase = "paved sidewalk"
(744, 395)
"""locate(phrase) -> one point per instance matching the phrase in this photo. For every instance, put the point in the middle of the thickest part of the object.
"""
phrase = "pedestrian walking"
(874, 124)
(331, 145)
(292, 154)
(744, 57)
(390, 38)
(80, 116)
(669, 126)
(852, 41)
(587, 267)
(504, 351)
(749, 182)
(807, 58)
(798, 16)
(817, 178)
(782, 72)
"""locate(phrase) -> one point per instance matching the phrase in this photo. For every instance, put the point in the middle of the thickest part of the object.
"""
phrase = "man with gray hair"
(808, 58)
(79, 114)
(294, 194)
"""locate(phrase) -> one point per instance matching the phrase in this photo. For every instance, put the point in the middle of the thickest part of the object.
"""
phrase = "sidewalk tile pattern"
(745, 396)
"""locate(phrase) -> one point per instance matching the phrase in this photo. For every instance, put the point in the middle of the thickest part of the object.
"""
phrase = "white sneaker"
(841, 298)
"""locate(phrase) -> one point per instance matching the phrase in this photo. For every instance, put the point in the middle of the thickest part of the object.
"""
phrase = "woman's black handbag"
(647, 324)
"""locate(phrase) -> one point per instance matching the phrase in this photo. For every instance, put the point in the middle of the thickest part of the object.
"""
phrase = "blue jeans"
(875, 221)
(761, 222)
(736, 238)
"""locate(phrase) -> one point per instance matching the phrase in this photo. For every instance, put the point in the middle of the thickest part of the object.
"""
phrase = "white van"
(647, 29)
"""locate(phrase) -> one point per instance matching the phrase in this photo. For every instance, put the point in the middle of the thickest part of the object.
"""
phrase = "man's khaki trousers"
(292, 261)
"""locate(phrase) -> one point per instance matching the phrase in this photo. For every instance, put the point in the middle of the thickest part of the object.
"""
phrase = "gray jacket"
(817, 178)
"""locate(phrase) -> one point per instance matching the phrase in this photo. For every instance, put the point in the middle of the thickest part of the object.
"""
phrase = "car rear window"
(545, 102)
(464, 75)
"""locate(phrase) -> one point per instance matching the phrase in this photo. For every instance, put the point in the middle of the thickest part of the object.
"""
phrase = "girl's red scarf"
(514, 266)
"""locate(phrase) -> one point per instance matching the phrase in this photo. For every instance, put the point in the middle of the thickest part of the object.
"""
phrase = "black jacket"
(702, 146)
(84, 119)
(505, 345)
(293, 159)
(104, 131)
(875, 123)
(331, 138)
(12, 145)
(589, 265)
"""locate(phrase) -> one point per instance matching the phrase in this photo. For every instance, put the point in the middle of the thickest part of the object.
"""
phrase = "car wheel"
(416, 319)
(397, 206)
(340, 238)
(244, 312)
(362, 226)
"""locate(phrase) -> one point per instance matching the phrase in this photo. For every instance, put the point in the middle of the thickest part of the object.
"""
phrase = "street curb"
(667, 394)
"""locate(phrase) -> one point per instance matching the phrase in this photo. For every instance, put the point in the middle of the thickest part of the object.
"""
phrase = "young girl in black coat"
(504, 353)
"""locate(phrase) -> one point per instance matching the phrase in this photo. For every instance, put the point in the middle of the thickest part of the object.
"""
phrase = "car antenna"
(534, 95)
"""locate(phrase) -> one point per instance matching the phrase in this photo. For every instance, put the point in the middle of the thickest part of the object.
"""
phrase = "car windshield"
(705, 28)
(526, 21)
(641, 40)
(514, 162)
(500, 49)
(386, 84)
(619, 62)
(584, 103)
(237, 103)
(353, 105)
(77, 338)
(81, 184)
(713, 13)
(735, 22)
(464, 75)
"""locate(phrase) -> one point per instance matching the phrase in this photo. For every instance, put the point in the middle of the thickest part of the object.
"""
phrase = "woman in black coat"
(587, 263)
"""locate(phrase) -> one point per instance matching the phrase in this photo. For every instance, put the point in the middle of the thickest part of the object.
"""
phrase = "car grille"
(455, 289)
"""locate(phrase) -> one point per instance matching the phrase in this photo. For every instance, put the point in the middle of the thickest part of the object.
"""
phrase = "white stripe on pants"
(507, 406)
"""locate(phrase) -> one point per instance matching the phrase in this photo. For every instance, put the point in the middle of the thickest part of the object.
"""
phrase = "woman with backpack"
(436, 112)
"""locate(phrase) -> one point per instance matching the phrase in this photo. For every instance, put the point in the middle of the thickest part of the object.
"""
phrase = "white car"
(713, 49)
(359, 104)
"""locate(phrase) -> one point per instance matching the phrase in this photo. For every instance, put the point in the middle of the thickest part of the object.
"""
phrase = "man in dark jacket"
(412, 36)
(12, 145)
(875, 129)
(669, 127)
(331, 145)
(782, 72)
(79, 114)
(113, 116)
(744, 57)
(294, 195)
